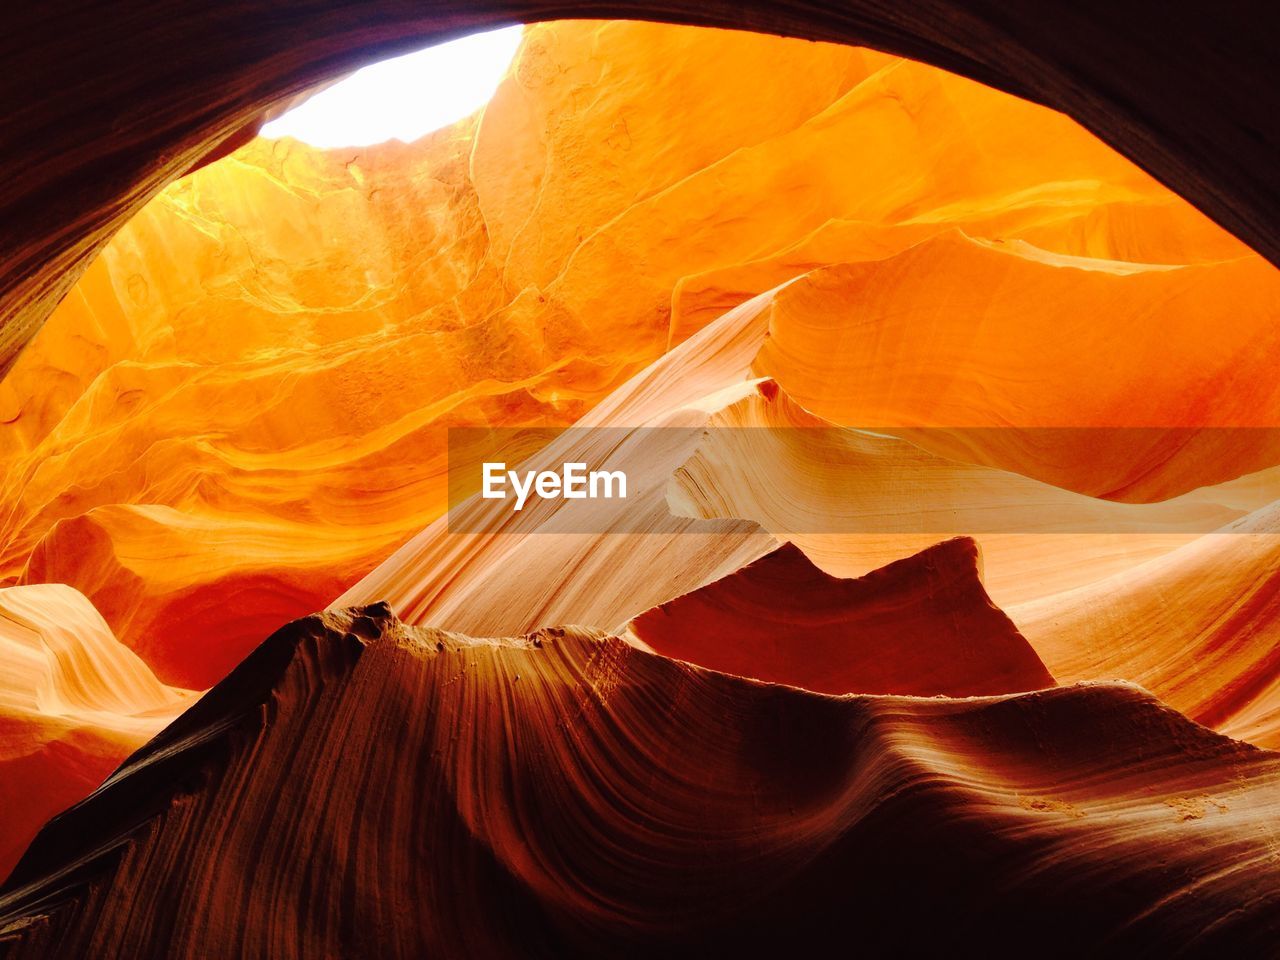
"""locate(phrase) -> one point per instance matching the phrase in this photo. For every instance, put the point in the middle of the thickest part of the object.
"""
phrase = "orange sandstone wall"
(242, 406)
(74, 702)
(240, 415)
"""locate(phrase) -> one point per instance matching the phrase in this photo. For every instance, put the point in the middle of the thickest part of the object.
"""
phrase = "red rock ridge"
(921, 626)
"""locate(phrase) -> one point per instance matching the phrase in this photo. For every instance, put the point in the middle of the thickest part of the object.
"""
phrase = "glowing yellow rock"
(74, 702)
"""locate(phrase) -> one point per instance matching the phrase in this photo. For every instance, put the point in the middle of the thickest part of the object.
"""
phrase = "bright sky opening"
(403, 98)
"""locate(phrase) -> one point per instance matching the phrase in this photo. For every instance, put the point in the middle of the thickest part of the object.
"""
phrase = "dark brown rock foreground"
(362, 788)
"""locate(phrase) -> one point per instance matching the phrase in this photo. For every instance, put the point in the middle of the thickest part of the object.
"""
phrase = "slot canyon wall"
(102, 116)
(859, 288)
(242, 407)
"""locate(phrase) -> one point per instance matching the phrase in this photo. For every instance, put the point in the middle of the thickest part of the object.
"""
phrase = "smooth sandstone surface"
(921, 626)
(270, 355)
(1197, 626)
(526, 796)
(855, 499)
(74, 702)
(763, 724)
(1006, 334)
(102, 115)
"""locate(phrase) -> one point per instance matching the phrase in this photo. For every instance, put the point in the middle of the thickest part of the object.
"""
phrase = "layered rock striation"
(247, 394)
(74, 702)
(564, 794)
(831, 317)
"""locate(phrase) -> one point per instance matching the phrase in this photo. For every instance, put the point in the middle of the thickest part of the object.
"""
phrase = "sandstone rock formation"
(564, 794)
(856, 499)
(944, 609)
(74, 702)
(1007, 334)
(1197, 626)
(247, 395)
(102, 115)
(921, 626)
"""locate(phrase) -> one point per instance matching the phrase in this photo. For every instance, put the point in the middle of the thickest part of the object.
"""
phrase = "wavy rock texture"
(74, 702)
(796, 482)
(262, 365)
(101, 115)
(922, 626)
(254, 393)
(537, 567)
(240, 413)
(1194, 622)
(1197, 626)
(854, 500)
(577, 818)
(1007, 335)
